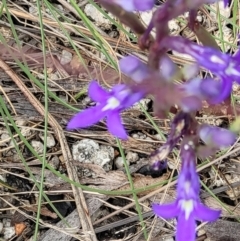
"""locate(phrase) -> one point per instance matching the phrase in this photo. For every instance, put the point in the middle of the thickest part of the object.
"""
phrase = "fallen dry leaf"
(19, 227)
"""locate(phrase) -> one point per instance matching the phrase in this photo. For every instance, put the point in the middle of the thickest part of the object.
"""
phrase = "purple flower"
(167, 67)
(187, 207)
(134, 68)
(216, 137)
(226, 2)
(211, 90)
(219, 63)
(135, 5)
(109, 104)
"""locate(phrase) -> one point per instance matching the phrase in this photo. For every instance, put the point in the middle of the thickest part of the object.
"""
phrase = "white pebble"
(37, 146)
(132, 157)
(8, 232)
(89, 151)
(66, 57)
(99, 18)
(119, 163)
(50, 140)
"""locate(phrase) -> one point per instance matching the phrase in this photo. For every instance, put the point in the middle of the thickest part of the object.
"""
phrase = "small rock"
(142, 103)
(132, 157)
(54, 76)
(8, 232)
(3, 178)
(4, 139)
(50, 140)
(5, 136)
(54, 162)
(21, 122)
(84, 150)
(37, 146)
(168, 239)
(86, 101)
(142, 136)
(199, 18)
(26, 131)
(89, 151)
(113, 34)
(66, 57)
(99, 18)
(119, 163)
(173, 25)
(146, 17)
(226, 12)
(33, 10)
(104, 157)
(158, 137)
(135, 135)
(1, 227)
(11, 143)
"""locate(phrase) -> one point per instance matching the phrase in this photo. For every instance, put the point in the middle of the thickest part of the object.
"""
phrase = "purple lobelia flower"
(216, 137)
(212, 90)
(134, 68)
(109, 104)
(226, 2)
(187, 207)
(133, 5)
(219, 63)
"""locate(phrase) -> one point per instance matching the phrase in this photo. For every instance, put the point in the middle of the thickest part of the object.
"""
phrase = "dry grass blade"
(77, 192)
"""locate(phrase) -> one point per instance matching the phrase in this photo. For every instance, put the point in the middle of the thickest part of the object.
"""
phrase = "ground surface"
(46, 68)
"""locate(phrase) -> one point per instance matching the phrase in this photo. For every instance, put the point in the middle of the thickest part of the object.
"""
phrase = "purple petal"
(216, 136)
(86, 118)
(209, 58)
(190, 103)
(216, 91)
(206, 214)
(236, 56)
(115, 126)
(186, 229)
(166, 210)
(167, 67)
(134, 68)
(226, 2)
(132, 5)
(127, 5)
(120, 91)
(96, 92)
(210, 87)
(193, 87)
(133, 98)
(188, 185)
(143, 5)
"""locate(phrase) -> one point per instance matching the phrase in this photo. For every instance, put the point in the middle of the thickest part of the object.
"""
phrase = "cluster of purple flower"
(157, 78)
